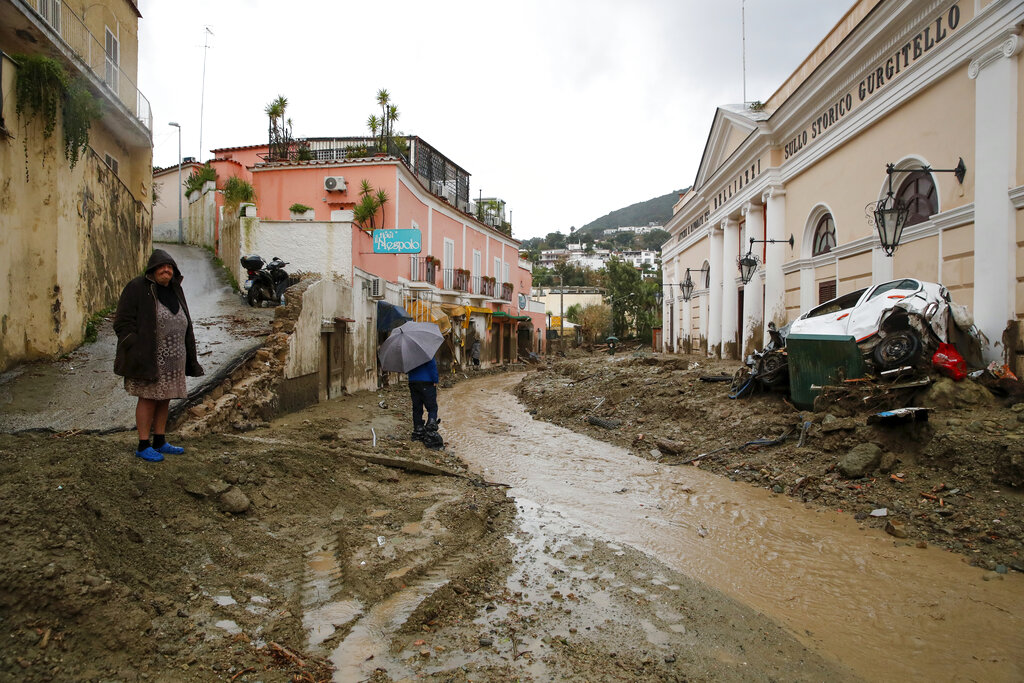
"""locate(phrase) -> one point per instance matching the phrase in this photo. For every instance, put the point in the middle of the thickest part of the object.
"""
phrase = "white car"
(892, 322)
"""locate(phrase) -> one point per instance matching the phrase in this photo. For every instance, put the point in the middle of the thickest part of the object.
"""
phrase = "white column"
(714, 331)
(774, 280)
(753, 304)
(730, 290)
(995, 154)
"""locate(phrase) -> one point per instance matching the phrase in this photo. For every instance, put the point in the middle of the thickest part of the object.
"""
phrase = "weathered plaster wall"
(69, 239)
(308, 246)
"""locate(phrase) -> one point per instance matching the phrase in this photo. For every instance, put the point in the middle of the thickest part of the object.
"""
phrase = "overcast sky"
(566, 109)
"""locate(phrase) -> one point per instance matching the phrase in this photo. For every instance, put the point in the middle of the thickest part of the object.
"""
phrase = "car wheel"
(898, 348)
(773, 371)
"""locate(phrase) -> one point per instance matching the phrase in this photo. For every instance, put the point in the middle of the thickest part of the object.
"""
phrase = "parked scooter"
(768, 367)
(266, 282)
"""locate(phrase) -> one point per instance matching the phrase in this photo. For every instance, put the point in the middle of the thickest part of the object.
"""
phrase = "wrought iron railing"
(423, 269)
(506, 291)
(73, 32)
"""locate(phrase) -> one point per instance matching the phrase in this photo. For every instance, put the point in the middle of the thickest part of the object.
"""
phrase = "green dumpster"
(816, 360)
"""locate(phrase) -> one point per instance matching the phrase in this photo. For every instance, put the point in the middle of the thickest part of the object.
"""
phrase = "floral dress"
(170, 359)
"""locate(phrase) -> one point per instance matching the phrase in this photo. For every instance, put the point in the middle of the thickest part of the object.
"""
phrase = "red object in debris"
(949, 362)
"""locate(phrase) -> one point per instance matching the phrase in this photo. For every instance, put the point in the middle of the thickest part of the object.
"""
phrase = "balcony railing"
(422, 270)
(486, 287)
(81, 42)
(506, 291)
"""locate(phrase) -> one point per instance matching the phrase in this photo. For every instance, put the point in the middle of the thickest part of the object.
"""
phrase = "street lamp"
(686, 288)
(748, 262)
(181, 237)
(891, 212)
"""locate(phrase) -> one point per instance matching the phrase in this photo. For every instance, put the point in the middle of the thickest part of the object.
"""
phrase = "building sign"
(699, 221)
(737, 183)
(397, 242)
(902, 57)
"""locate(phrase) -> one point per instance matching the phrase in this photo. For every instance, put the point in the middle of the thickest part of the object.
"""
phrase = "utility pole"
(202, 93)
(181, 237)
(743, 39)
(561, 310)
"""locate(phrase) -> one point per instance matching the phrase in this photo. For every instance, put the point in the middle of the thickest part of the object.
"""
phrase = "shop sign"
(397, 241)
(904, 55)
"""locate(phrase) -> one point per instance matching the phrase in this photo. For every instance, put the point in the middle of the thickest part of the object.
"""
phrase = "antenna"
(743, 40)
(202, 94)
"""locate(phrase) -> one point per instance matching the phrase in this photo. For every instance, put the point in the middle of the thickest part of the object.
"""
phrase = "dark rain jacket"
(135, 324)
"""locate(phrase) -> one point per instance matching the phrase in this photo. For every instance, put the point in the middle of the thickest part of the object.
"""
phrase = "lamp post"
(891, 212)
(181, 237)
(686, 288)
(748, 262)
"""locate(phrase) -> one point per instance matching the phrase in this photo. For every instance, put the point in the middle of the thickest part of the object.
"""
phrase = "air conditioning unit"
(376, 288)
(437, 187)
(334, 183)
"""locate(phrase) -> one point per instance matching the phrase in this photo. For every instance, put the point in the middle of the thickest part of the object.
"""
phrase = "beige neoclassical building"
(919, 84)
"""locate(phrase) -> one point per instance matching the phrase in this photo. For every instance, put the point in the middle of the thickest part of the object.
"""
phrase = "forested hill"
(657, 210)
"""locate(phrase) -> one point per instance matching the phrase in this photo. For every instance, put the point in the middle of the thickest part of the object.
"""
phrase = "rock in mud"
(234, 501)
(945, 393)
(895, 527)
(860, 461)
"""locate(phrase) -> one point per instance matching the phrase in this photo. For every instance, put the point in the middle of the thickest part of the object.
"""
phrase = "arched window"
(824, 235)
(705, 270)
(918, 192)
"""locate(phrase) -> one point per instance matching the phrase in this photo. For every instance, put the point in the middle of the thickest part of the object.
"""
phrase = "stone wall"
(70, 239)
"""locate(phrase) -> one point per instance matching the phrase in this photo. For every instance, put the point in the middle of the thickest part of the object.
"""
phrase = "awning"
(470, 310)
(427, 312)
(454, 310)
(390, 316)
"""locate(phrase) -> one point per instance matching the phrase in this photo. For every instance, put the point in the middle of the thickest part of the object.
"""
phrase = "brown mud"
(325, 546)
(952, 481)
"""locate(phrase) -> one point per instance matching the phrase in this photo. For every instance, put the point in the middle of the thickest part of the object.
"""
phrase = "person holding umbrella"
(423, 391)
(410, 348)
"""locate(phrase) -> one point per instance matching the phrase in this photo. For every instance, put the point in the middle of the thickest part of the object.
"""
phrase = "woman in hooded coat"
(156, 349)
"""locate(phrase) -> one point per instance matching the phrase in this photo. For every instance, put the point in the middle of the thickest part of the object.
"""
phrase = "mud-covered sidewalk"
(951, 481)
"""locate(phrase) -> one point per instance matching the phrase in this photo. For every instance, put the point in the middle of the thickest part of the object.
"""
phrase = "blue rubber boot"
(150, 454)
(168, 449)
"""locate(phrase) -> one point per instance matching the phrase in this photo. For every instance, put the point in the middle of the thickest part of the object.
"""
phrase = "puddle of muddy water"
(886, 609)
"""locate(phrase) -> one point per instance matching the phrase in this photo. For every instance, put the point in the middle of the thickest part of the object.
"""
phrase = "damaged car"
(895, 324)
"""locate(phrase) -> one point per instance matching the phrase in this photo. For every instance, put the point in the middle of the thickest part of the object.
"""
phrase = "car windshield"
(837, 304)
(895, 284)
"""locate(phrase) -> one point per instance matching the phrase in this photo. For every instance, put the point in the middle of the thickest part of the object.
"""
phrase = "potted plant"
(301, 212)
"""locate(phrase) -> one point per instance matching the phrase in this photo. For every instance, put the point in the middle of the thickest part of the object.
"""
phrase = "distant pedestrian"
(474, 353)
(423, 391)
(156, 349)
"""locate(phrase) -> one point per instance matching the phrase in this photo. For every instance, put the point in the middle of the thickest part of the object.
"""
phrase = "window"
(826, 291)
(918, 192)
(895, 284)
(111, 162)
(824, 236)
(112, 76)
(834, 306)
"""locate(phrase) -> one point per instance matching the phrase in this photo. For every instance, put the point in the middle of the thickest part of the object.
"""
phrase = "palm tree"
(373, 123)
(278, 145)
(383, 99)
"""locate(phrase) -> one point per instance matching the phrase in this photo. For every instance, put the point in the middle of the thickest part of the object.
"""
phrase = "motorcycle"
(768, 367)
(266, 282)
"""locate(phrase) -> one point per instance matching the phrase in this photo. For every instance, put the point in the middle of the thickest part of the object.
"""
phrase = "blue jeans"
(424, 395)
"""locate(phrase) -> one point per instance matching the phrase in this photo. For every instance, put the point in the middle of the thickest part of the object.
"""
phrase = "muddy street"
(886, 609)
(325, 545)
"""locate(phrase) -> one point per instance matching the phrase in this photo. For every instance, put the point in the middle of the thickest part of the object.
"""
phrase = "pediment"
(728, 131)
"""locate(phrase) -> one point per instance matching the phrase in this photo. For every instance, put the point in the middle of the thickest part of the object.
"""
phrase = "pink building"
(464, 270)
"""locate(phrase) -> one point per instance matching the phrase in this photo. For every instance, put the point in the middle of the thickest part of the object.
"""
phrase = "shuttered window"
(826, 291)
